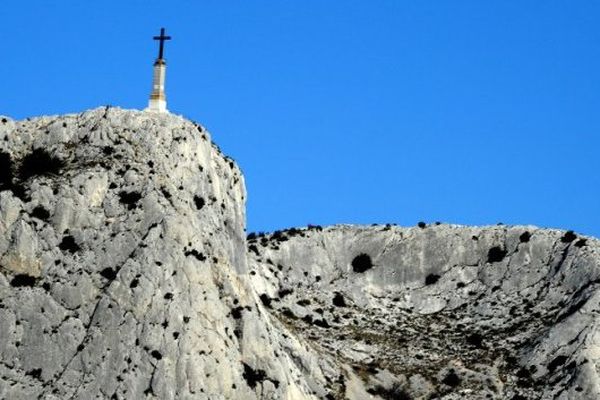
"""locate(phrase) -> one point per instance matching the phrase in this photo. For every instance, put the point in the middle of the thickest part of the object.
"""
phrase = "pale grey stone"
(126, 274)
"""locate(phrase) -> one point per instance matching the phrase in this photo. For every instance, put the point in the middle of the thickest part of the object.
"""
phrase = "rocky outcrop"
(441, 311)
(123, 265)
(125, 273)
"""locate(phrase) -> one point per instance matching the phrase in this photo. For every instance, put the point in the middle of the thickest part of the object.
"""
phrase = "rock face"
(439, 312)
(125, 273)
(123, 265)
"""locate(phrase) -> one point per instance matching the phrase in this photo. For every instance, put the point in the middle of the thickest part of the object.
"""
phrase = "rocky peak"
(125, 273)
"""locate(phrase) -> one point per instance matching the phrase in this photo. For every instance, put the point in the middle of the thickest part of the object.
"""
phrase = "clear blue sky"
(468, 112)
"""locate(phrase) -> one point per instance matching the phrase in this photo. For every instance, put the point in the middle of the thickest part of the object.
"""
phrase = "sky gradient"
(393, 111)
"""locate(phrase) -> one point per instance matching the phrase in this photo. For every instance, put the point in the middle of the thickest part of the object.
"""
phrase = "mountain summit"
(126, 273)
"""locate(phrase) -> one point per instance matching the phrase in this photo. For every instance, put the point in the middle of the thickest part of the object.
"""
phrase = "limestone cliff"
(125, 273)
(123, 265)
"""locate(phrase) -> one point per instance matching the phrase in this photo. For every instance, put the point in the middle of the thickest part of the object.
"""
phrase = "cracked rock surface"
(125, 273)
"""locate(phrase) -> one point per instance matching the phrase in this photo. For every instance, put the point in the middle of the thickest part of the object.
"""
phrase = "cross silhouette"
(162, 39)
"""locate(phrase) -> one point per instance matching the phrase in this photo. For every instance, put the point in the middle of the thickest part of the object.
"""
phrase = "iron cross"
(162, 39)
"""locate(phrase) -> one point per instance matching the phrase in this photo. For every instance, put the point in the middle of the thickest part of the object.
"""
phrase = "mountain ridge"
(126, 272)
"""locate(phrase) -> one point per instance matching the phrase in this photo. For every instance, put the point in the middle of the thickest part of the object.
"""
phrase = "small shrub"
(199, 202)
(130, 199)
(285, 292)
(109, 273)
(252, 376)
(266, 300)
(568, 237)
(39, 163)
(338, 300)
(431, 279)
(196, 254)
(496, 254)
(362, 263)
(41, 213)
(422, 225)
(251, 236)
(322, 323)
(451, 379)
(68, 244)
(34, 373)
(525, 236)
(475, 340)
(22, 280)
(556, 362)
(5, 171)
(236, 312)
(396, 392)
